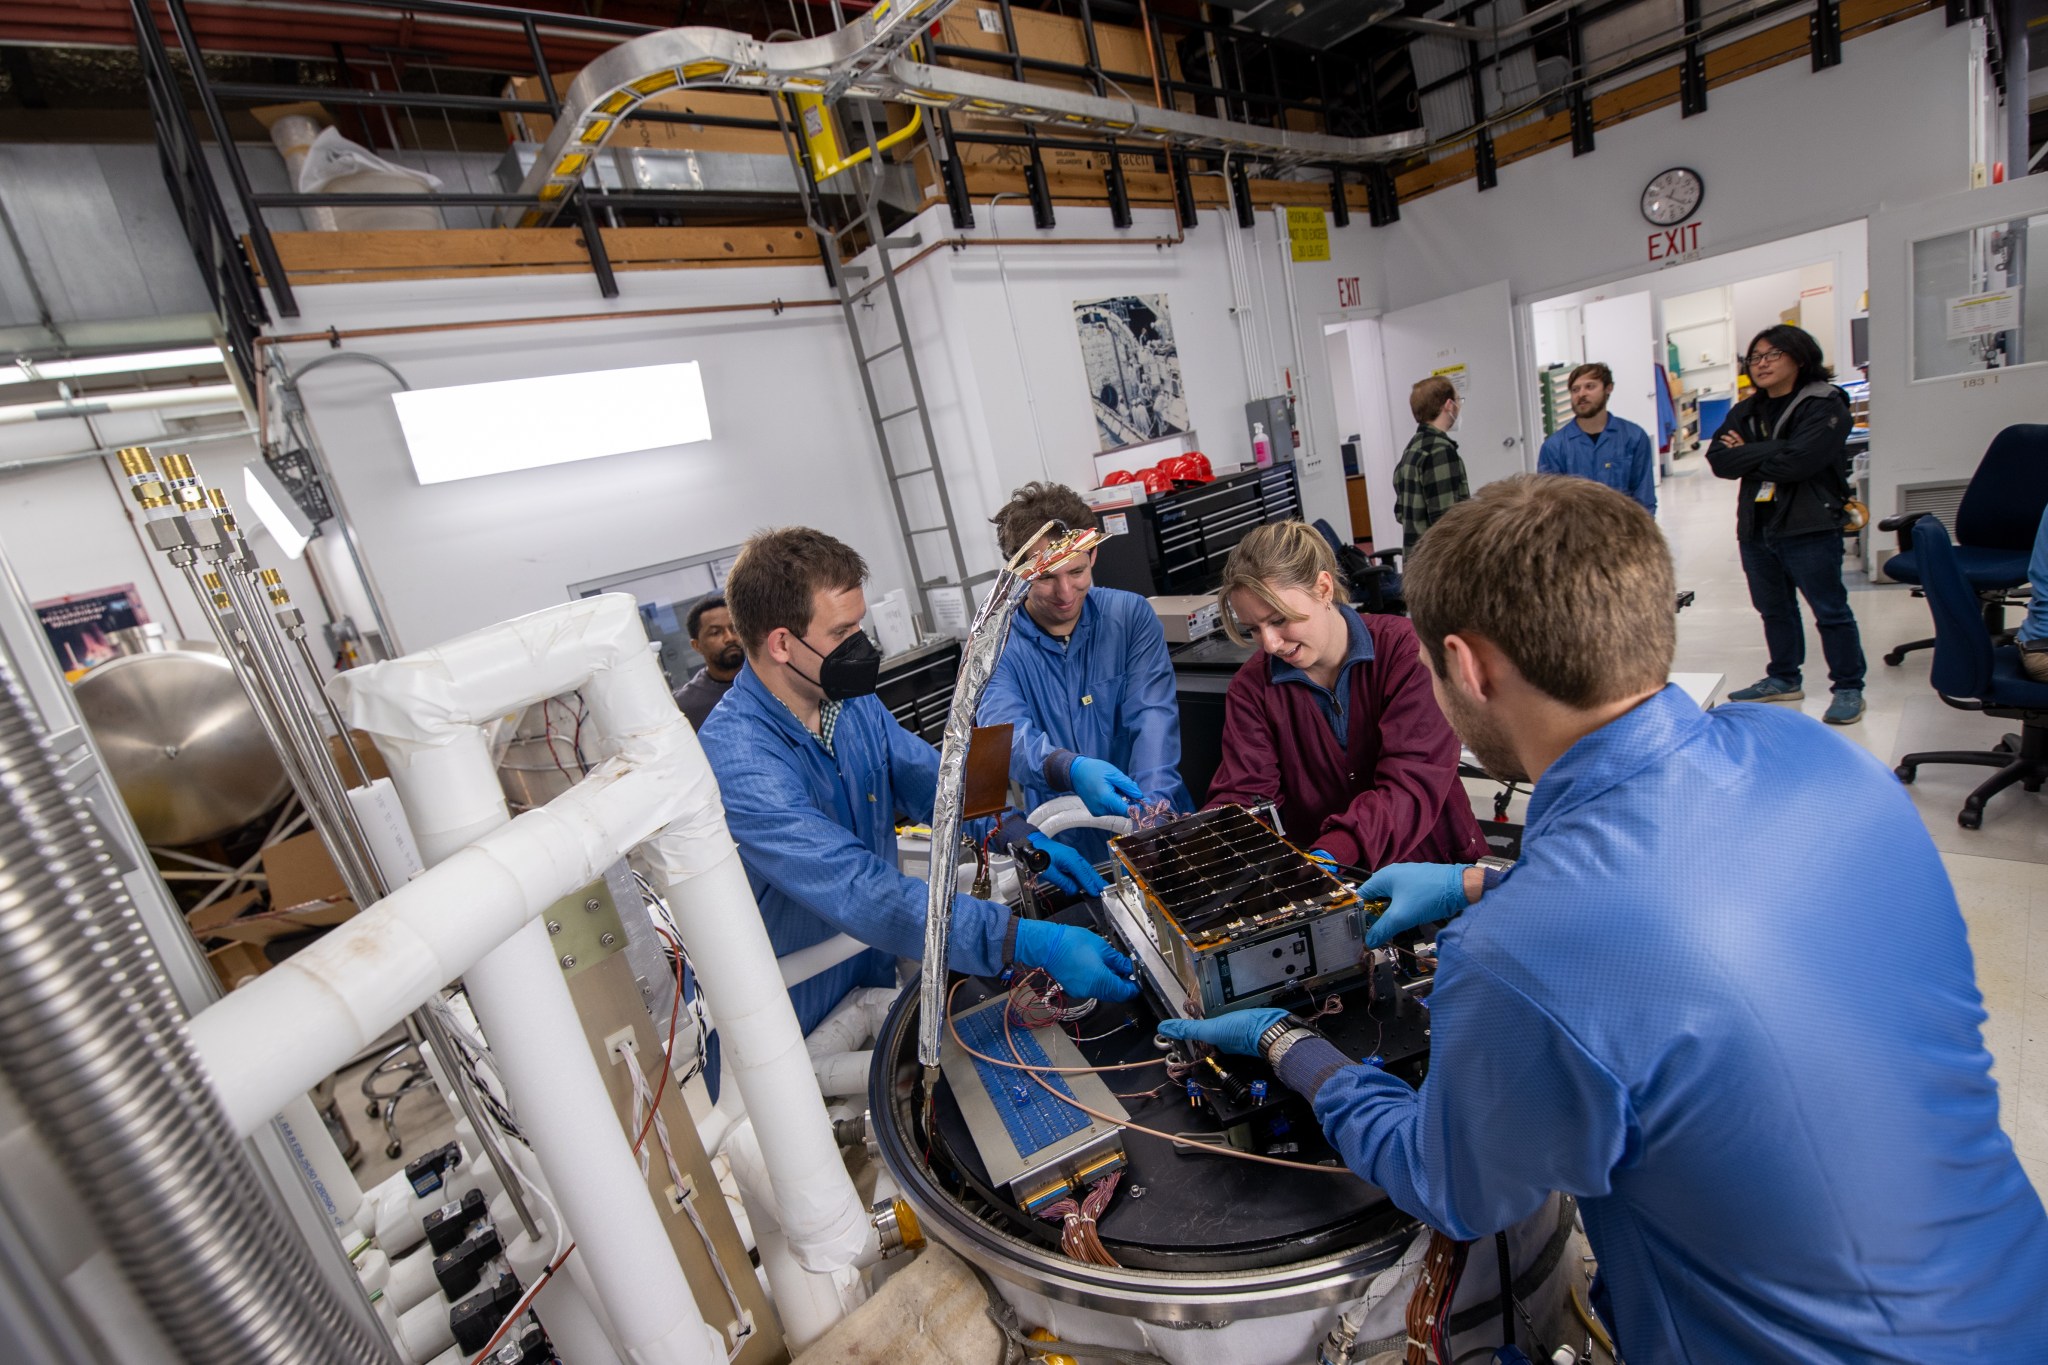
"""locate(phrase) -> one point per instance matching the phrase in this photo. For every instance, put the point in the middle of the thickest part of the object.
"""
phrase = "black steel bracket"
(1040, 192)
(1483, 160)
(1340, 209)
(1241, 195)
(1382, 196)
(1183, 188)
(1824, 27)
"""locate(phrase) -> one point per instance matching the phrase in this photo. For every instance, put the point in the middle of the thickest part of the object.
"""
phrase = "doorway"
(1678, 334)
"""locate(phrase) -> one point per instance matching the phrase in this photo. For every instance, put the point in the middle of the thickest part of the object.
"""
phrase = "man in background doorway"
(718, 644)
(1430, 479)
(1599, 445)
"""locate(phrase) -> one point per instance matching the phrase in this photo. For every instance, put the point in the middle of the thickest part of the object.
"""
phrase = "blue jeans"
(1779, 572)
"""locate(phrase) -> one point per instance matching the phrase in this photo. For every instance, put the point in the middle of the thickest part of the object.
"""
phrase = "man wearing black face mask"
(815, 772)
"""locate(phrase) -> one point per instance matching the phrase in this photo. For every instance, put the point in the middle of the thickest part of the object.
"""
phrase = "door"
(1469, 339)
(1620, 333)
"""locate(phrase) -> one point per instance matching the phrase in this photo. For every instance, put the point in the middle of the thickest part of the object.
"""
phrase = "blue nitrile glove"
(1239, 1032)
(1069, 871)
(1084, 964)
(1325, 857)
(1420, 892)
(1103, 787)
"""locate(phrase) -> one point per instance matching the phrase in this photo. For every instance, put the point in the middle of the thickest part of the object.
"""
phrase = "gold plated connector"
(217, 498)
(176, 467)
(280, 596)
(151, 494)
(135, 461)
(214, 586)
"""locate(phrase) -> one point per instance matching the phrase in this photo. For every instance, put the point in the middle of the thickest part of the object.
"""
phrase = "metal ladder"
(917, 482)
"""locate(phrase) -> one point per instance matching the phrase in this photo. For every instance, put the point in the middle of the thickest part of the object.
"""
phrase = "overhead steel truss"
(868, 59)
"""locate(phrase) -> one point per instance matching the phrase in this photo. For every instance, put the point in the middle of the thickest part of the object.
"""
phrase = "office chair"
(1995, 525)
(1971, 673)
(1374, 580)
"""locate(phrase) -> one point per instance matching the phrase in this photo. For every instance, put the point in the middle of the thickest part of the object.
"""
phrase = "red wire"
(520, 1308)
(668, 1049)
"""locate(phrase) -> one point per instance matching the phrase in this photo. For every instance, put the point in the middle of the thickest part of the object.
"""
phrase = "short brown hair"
(1282, 554)
(1031, 507)
(1426, 400)
(1594, 368)
(1570, 579)
(772, 583)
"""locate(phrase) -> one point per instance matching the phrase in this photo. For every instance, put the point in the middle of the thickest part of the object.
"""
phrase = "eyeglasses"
(1760, 357)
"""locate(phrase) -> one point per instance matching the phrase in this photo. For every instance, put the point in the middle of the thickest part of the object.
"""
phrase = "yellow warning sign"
(1308, 234)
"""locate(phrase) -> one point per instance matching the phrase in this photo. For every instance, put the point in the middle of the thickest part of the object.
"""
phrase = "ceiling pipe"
(1481, 33)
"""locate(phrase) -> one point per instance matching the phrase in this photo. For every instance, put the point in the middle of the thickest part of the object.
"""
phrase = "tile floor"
(1997, 870)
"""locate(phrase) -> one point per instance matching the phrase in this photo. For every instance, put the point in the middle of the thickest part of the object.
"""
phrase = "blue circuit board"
(1034, 1119)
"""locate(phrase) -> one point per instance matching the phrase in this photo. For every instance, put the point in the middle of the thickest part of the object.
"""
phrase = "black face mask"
(851, 670)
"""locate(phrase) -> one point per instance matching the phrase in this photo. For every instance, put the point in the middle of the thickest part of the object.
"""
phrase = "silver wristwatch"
(1277, 1041)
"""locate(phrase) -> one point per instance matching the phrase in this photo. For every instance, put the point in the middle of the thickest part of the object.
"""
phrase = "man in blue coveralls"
(1598, 445)
(815, 772)
(1085, 680)
(1725, 997)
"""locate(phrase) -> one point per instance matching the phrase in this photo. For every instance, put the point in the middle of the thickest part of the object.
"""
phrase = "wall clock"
(1673, 196)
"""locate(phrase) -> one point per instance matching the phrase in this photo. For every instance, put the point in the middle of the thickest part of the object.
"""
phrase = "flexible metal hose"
(92, 1041)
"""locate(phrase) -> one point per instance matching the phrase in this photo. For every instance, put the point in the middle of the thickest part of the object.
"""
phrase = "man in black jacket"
(1786, 444)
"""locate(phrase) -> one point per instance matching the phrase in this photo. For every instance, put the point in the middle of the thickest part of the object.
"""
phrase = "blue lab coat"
(1107, 693)
(1620, 457)
(817, 833)
(1726, 1000)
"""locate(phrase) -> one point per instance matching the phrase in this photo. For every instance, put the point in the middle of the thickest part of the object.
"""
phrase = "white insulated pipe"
(805, 963)
(808, 1302)
(655, 791)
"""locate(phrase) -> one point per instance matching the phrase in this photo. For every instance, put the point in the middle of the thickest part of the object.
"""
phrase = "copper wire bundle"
(1078, 1238)
(1429, 1307)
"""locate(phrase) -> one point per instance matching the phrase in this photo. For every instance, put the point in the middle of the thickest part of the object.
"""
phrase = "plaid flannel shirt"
(1428, 482)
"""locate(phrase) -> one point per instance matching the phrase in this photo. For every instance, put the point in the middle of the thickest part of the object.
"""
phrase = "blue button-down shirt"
(1335, 704)
(1107, 693)
(817, 832)
(1725, 998)
(1620, 457)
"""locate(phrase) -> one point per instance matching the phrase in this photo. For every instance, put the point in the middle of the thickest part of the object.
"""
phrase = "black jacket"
(1803, 454)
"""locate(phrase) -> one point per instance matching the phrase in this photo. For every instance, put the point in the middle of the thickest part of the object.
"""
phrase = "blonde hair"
(1270, 558)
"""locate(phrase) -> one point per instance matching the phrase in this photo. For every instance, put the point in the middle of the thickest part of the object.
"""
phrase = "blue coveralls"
(1107, 693)
(1725, 998)
(817, 832)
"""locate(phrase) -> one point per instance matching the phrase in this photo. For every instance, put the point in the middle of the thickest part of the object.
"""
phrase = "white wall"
(1936, 429)
(65, 528)
(1761, 302)
(1891, 124)
(1003, 364)
(790, 441)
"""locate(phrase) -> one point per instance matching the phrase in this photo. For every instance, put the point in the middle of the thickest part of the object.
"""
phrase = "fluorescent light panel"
(274, 506)
(189, 358)
(475, 429)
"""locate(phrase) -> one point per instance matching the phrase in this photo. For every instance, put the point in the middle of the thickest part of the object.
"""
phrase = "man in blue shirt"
(1084, 680)
(1725, 997)
(1600, 446)
(815, 772)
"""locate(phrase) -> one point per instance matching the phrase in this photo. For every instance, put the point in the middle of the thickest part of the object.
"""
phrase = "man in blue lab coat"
(1085, 680)
(815, 772)
(1724, 998)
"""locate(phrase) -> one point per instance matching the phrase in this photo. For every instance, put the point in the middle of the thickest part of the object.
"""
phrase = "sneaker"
(1846, 708)
(1768, 689)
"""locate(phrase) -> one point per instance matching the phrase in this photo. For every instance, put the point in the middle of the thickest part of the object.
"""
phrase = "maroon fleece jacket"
(1391, 795)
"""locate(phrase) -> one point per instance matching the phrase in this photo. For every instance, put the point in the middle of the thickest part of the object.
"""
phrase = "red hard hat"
(1156, 480)
(1199, 468)
(1120, 476)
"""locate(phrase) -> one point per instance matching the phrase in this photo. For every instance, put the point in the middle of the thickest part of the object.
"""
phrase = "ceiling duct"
(1311, 23)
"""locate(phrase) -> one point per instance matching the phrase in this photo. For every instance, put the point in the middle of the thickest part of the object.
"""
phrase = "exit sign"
(1347, 291)
(1675, 244)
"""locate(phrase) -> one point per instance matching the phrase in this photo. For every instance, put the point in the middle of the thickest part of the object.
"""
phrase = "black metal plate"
(1214, 868)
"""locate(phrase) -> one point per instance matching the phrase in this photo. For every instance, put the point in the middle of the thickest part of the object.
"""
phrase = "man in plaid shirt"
(1430, 479)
